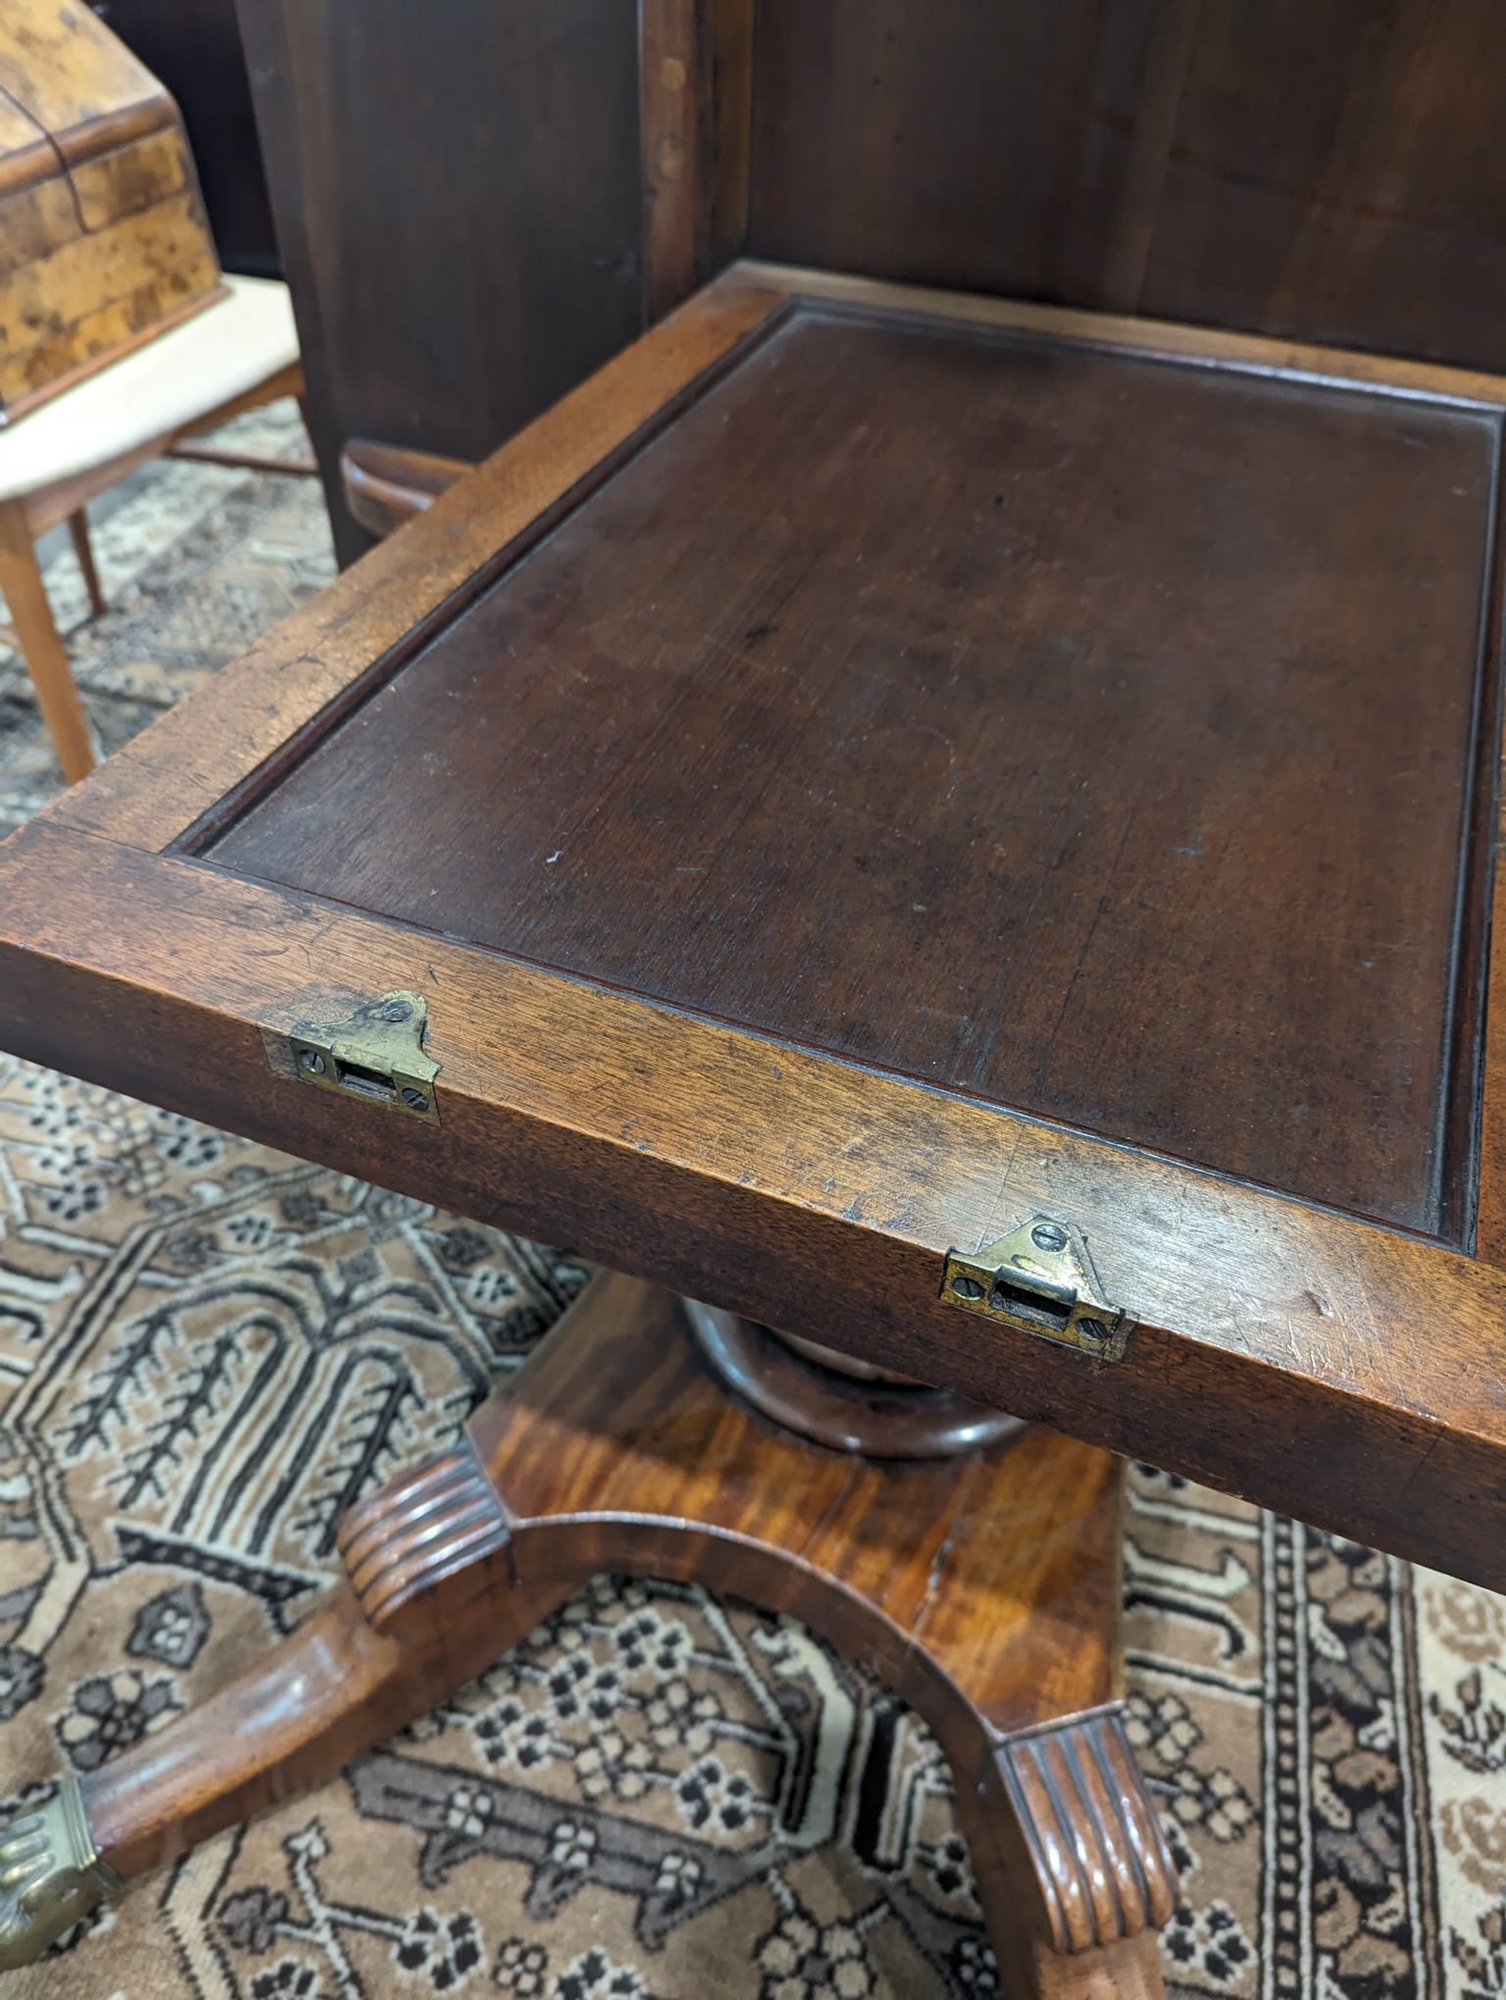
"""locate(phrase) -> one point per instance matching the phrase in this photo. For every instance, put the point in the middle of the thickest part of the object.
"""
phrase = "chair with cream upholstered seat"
(238, 353)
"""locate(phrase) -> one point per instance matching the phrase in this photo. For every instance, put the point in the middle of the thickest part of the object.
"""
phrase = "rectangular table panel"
(1087, 733)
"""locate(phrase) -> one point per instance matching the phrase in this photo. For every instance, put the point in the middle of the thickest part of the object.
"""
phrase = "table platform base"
(983, 1588)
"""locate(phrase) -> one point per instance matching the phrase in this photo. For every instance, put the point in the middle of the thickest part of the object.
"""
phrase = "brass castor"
(50, 1874)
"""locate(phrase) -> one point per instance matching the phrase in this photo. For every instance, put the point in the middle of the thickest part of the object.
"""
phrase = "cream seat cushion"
(218, 354)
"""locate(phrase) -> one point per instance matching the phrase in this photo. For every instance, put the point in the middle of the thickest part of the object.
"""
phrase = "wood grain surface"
(103, 240)
(194, 49)
(1327, 173)
(188, 776)
(458, 208)
(983, 1591)
(386, 485)
(1037, 723)
(995, 1576)
(199, 764)
(1348, 1373)
(674, 60)
(695, 81)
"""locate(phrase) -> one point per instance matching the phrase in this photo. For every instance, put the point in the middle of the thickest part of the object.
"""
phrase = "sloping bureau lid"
(69, 92)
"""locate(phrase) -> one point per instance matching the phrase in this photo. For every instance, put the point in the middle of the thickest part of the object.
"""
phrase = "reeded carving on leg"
(1090, 1829)
(442, 1518)
(982, 1594)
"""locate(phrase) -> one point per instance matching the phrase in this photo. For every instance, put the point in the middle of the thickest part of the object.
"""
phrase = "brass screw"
(1049, 1236)
(312, 1061)
(415, 1100)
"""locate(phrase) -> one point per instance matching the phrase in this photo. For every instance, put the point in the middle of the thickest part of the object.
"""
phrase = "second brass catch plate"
(1040, 1279)
(376, 1053)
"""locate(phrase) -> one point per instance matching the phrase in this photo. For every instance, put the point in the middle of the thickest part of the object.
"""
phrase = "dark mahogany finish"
(984, 1590)
(835, 1401)
(457, 207)
(1326, 172)
(853, 719)
(1088, 734)
(1152, 665)
(1318, 949)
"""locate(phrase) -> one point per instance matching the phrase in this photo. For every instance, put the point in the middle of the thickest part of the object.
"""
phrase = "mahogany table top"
(869, 769)
(1030, 720)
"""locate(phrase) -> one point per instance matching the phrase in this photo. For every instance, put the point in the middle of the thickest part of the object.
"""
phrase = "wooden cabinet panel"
(458, 201)
(1327, 172)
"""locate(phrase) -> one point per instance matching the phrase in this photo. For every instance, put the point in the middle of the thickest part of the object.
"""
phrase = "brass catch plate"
(376, 1053)
(1040, 1279)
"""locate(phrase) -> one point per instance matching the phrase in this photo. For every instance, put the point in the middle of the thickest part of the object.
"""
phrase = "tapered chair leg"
(83, 548)
(41, 648)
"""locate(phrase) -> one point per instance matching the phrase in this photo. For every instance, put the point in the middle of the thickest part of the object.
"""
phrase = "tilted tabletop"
(872, 773)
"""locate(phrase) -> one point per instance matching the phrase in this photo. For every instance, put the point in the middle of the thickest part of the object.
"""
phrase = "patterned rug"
(208, 1350)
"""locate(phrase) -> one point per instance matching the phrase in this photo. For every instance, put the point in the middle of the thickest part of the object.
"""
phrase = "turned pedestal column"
(977, 1574)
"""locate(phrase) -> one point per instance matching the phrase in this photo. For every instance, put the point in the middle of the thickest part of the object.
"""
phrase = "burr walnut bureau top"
(872, 773)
